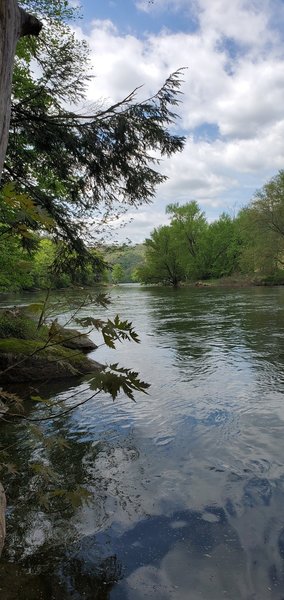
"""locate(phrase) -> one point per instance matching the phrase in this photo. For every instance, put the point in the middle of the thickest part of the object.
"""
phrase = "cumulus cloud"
(234, 82)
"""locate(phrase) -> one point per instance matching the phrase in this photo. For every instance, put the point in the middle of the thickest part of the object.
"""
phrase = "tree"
(262, 227)
(14, 23)
(95, 164)
(162, 258)
(117, 273)
(219, 249)
(16, 266)
(188, 226)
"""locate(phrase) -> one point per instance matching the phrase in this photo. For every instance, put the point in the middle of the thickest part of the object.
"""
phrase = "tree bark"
(14, 23)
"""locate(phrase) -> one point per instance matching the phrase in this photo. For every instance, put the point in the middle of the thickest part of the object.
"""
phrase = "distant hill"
(128, 257)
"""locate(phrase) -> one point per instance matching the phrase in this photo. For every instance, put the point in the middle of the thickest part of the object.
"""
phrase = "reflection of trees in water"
(205, 321)
(91, 581)
(17, 583)
(38, 536)
(198, 319)
(238, 547)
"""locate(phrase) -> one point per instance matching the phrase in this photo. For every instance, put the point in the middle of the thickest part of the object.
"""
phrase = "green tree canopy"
(190, 248)
(117, 273)
(219, 249)
(188, 225)
(79, 167)
(162, 258)
(262, 228)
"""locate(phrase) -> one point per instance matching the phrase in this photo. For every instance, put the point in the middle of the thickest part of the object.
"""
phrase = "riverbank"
(240, 281)
(29, 352)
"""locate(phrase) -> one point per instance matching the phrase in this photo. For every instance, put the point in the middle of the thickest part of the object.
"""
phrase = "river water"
(186, 485)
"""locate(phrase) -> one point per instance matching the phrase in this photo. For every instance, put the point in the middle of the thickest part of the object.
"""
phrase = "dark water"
(187, 484)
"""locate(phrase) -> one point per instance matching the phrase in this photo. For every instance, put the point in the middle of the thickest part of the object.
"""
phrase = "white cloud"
(234, 81)
(244, 21)
(140, 224)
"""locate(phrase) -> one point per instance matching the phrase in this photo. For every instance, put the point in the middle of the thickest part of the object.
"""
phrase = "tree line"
(249, 244)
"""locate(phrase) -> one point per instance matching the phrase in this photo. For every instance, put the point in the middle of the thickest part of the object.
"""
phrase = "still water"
(187, 484)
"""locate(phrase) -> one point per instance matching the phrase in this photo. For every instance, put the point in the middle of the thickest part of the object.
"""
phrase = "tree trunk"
(14, 23)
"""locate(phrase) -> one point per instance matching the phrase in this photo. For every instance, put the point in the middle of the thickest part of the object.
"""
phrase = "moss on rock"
(32, 360)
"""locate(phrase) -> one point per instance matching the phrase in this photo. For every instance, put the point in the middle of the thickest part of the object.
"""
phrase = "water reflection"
(187, 485)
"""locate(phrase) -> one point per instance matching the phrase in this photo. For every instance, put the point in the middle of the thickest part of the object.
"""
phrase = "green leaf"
(45, 471)
(118, 379)
(45, 401)
(11, 468)
(78, 496)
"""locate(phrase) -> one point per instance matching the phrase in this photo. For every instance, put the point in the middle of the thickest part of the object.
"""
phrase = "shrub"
(18, 326)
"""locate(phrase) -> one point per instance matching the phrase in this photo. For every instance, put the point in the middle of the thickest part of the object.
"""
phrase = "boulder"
(71, 338)
(28, 361)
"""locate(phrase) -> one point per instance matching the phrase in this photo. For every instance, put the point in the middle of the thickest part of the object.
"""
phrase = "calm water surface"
(187, 484)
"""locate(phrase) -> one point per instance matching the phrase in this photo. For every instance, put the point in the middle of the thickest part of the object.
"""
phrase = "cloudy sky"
(233, 105)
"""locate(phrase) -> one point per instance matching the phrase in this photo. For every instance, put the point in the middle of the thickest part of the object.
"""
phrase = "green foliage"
(188, 227)
(47, 265)
(66, 169)
(262, 226)
(190, 249)
(15, 266)
(275, 278)
(19, 214)
(128, 257)
(115, 379)
(112, 331)
(117, 273)
(17, 326)
(219, 250)
(162, 258)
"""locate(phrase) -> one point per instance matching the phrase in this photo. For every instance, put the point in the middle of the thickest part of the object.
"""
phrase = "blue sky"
(233, 105)
(130, 19)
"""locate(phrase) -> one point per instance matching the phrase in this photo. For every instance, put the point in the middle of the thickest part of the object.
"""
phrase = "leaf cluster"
(112, 331)
(115, 379)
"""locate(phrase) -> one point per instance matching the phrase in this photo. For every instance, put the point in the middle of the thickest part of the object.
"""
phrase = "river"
(186, 485)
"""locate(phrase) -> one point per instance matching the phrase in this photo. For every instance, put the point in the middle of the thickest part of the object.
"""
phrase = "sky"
(232, 111)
